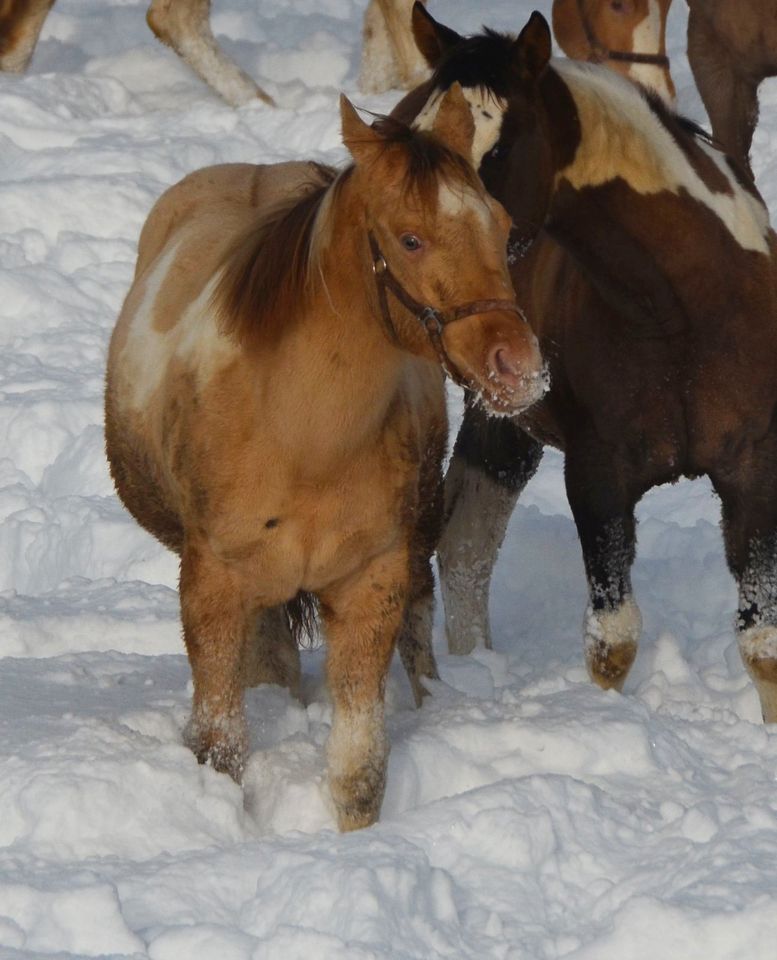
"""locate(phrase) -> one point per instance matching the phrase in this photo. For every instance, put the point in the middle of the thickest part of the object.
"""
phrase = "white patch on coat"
(454, 201)
(606, 630)
(487, 111)
(647, 39)
(647, 156)
(194, 338)
(758, 643)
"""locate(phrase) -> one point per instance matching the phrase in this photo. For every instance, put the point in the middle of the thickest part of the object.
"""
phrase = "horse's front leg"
(492, 462)
(21, 22)
(216, 626)
(603, 509)
(749, 518)
(362, 616)
(184, 25)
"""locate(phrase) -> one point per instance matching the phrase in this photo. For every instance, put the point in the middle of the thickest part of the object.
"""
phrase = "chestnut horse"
(627, 35)
(732, 47)
(647, 269)
(183, 25)
(275, 412)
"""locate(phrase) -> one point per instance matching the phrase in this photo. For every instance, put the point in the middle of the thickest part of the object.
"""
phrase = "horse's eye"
(410, 242)
(499, 152)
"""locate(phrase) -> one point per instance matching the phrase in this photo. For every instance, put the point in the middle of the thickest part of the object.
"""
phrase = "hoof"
(758, 647)
(611, 641)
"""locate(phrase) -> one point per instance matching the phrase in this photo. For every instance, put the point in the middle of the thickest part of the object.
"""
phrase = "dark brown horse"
(275, 412)
(732, 47)
(647, 269)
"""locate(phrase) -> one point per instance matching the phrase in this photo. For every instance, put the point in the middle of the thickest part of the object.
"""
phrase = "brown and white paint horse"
(183, 25)
(647, 269)
(629, 36)
(275, 412)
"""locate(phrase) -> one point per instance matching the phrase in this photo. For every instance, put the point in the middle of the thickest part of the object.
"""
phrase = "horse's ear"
(432, 38)
(454, 123)
(532, 49)
(358, 136)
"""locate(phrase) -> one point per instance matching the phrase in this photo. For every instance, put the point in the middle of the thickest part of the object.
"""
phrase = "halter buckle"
(431, 321)
(379, 265)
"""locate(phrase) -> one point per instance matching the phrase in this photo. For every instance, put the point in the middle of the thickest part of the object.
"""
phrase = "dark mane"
(266, 271)
(481, 61)
(427, 159)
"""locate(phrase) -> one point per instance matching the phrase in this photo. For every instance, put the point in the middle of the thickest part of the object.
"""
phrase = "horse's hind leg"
(749, 517)
(215, 627)
(604, 515)
(184, 25)
(271, 654)
(21, 22)
(491, 464)
(729, 95)
(362, 616)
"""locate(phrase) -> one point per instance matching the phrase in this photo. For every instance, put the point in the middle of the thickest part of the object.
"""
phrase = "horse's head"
(437, 241)
(514, 145)
(628, 35)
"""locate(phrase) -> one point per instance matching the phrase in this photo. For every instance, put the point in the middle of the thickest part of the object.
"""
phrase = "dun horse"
(662, 354)
(627, 35)
(183, 25)
(275, 412)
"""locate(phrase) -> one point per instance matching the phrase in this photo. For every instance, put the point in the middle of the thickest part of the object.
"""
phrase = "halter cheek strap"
(602, 53)
(431, 319)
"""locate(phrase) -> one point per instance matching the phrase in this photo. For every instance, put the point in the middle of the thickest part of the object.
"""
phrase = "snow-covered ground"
(528, 815)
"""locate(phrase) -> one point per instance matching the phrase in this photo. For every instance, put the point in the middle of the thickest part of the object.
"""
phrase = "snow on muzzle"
(498, 356)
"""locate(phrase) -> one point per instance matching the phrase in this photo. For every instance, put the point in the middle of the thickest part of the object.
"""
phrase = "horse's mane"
(266, 267)
(483, 61)
(267, 272)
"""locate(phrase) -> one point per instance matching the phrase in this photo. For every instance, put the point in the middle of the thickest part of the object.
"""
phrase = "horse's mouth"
(509, 400)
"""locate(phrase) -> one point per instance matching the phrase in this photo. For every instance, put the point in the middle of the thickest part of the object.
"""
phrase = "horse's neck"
(624, 140)
(354, 371)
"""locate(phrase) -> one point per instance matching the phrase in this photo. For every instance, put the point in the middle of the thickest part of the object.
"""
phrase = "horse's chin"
(506, 401)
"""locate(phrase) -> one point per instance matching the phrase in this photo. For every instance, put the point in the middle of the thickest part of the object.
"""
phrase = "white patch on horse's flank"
(647, 39)
(195, 337)
(486, 111)
(623, 137)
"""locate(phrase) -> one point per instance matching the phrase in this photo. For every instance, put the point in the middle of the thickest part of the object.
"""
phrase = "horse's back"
(241, 190)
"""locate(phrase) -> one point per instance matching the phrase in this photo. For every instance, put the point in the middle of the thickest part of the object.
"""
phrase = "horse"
(275, 413)
(390, 58)
(627, 35)
(183, 25)
(732, 47)
(662, 353)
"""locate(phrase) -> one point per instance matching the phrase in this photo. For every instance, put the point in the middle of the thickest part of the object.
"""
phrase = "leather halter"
(602, 53)
(431, 319)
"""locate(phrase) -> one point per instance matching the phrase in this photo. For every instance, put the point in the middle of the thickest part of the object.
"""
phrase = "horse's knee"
(758, 647)
(611, 641)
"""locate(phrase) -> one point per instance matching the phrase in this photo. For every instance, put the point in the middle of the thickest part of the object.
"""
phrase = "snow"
(528, 814)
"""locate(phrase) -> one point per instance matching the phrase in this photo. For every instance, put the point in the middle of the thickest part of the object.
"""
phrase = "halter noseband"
(431, 319)
(602, 53)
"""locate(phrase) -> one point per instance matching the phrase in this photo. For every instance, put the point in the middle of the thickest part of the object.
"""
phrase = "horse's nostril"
(503, 363)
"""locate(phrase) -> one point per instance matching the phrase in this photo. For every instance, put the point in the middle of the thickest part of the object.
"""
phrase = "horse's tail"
(302, 614)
